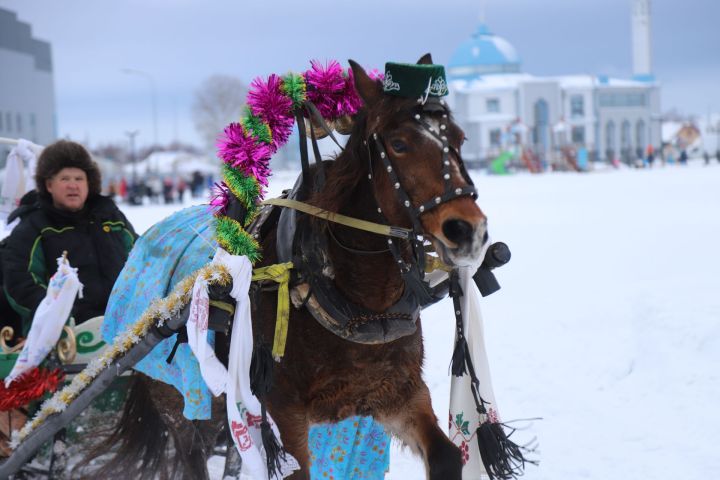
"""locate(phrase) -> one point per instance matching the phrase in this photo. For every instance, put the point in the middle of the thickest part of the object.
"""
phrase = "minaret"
(642, 66)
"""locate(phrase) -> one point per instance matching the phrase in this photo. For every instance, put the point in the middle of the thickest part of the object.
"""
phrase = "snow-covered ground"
(607, 324)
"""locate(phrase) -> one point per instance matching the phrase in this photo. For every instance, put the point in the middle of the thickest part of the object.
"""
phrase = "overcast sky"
(182, 42)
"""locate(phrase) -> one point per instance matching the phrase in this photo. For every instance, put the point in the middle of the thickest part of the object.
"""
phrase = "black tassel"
(273, 451)
(503, 459)
(458, 363)
(261, 369)
(461, 355)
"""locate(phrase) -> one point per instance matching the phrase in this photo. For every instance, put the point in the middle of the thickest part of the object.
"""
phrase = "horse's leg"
(416, 425)
(194, 439)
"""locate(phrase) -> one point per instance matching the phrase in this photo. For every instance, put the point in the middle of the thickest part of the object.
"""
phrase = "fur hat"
(66, 154)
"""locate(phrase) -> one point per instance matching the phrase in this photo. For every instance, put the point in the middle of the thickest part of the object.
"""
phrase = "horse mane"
(352, 165)
(348, 168)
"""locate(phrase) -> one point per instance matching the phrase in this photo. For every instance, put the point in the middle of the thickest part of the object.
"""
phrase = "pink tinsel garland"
(329, 87)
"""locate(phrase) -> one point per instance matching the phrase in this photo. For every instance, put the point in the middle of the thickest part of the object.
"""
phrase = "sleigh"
(324, 345)
(78, 346)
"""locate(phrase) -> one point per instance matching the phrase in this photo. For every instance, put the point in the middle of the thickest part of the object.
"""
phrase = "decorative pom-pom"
(268, 101)
(220, 198)
(243, 151)
(326, 86)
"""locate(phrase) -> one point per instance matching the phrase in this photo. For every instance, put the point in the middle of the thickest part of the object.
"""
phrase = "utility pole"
(133, 190)
(131, 136)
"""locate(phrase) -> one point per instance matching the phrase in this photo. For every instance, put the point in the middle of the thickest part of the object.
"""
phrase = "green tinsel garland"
(246, 189)
(293, 86)
(235, 240)
(257, 127)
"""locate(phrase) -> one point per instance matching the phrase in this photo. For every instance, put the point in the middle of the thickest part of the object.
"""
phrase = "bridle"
(298, 241)
(413, 272)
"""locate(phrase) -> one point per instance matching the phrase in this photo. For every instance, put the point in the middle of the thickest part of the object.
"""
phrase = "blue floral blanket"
(356, 448)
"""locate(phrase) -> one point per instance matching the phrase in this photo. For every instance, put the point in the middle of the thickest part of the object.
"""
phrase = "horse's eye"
(399, 146)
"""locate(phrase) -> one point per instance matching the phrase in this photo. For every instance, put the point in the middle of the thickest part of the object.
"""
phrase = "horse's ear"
(425, 59)
(369, 89)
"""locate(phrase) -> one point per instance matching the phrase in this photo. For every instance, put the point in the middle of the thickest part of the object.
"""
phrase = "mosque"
(556, 121)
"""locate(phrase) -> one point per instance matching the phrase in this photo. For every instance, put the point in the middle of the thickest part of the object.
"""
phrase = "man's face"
(68, 188)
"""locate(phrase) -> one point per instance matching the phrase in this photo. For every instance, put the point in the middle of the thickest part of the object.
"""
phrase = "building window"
(577, 106)
(578, 135)
(495, 136)
(493, 105)
(8, 121)
(623, 100)
(18, 122)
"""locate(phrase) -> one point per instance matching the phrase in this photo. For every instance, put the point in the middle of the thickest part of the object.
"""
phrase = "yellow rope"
(279, 273)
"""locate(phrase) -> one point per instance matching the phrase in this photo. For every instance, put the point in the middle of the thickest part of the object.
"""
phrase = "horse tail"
(139, 442)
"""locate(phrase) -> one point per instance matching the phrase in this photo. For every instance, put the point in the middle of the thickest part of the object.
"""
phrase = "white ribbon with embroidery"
(464, 417)
(49, 319)
(243, 408)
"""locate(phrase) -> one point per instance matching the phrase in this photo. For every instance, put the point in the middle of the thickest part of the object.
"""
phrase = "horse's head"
(417, 169)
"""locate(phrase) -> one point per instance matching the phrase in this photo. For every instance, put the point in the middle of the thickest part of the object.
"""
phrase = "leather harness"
(299, 242)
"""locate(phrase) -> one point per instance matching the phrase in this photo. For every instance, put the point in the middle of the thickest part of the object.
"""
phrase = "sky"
(180, 43)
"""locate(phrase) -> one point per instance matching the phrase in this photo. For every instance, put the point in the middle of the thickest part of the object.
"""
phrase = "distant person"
(123, 189)
(717, 155)
(181, 187)
(196, 184)
(706, 157)
(70, 215)
(683, 159)
(168, 190)
(155, 187)
(650, 155)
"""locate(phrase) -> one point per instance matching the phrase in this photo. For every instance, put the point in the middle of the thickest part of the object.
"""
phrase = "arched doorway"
(610, 142)
(626, 143)
(541, 130)
(640, 142)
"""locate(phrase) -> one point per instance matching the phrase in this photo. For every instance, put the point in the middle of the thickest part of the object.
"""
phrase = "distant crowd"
(158, 189)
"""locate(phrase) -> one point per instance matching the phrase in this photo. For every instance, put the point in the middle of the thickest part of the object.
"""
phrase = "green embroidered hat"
(415, 81)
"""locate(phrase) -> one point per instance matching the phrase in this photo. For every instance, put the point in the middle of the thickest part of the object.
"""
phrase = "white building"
(27, 92)
(502, 109)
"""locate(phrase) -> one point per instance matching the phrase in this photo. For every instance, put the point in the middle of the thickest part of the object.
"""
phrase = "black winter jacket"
(97, 240)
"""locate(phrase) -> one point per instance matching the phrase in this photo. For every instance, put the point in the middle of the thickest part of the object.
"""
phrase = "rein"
(367, 226)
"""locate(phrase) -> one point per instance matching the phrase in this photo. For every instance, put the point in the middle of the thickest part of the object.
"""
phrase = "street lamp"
(131, 136)
(153, 96)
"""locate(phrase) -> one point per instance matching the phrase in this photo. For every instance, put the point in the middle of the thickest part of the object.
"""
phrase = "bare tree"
(218, 101)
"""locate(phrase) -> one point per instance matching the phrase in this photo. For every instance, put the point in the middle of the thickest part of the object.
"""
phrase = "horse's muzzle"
(466, 241)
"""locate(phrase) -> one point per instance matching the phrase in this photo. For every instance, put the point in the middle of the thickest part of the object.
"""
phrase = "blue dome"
(482, 54)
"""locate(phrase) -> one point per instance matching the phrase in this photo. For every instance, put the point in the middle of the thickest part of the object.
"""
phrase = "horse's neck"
(371, 280)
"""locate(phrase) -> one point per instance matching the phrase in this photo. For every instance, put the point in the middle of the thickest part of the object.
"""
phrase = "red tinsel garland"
(28, 387)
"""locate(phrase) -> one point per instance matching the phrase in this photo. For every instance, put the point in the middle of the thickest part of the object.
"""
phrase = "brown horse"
(401, 166)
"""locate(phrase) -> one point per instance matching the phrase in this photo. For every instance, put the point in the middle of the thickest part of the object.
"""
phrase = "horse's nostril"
(458, 231)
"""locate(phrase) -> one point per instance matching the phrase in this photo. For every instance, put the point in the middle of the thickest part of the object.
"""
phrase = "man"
(70, 216)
